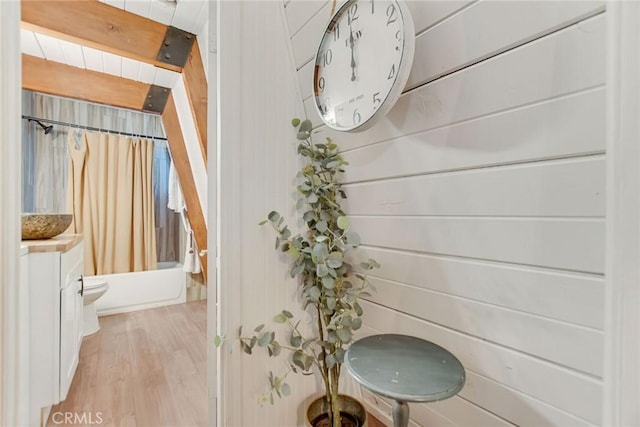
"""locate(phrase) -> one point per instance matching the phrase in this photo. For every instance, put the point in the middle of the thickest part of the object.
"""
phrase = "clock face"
(362, 63)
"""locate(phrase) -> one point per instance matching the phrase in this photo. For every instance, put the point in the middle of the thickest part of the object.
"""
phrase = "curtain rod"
(73, 125)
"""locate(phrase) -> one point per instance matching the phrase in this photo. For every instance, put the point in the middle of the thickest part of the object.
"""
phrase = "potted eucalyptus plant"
(330, 286)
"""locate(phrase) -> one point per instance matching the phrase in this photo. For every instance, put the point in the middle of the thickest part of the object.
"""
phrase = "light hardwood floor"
(145, 368)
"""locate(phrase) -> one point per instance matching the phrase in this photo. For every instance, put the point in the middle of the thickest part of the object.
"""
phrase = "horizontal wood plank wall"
(482, 195)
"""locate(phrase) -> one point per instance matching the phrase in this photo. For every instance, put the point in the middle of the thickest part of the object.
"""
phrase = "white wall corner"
(622, 312)
(257, 96)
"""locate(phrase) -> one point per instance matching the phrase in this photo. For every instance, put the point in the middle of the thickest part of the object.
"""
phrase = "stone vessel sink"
(44, 226)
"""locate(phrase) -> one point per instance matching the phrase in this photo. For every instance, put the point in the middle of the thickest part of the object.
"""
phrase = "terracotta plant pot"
(353, 412)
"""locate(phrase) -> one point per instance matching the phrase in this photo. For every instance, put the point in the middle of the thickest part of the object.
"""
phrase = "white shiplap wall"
(482, 196)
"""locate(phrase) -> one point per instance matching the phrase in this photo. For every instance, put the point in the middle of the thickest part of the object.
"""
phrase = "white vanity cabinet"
(71, 310)
(55, 290)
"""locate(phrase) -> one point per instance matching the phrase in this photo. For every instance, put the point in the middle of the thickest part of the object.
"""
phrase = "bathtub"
(143, 289)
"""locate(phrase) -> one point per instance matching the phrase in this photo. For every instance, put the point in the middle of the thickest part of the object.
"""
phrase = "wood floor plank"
(145, 368)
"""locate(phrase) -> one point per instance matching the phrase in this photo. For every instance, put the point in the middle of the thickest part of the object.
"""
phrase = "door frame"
(14, 308)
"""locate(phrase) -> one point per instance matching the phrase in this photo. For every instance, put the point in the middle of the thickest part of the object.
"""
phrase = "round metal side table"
(406, 369)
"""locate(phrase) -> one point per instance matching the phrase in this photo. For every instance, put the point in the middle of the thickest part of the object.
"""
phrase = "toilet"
(94, 288)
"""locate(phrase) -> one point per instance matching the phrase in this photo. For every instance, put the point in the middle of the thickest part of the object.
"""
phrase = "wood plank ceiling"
(93, 43)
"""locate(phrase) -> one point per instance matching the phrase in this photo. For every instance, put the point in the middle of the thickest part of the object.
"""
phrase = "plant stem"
(323, 362)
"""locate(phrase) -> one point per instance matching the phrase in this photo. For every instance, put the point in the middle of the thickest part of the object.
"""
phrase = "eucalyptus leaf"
(265, 339)
(285, 389)
(334, 260)
(342, 222)
(295, 340)
(314, 293)
(259, 328)
(298, 359)
(322, 270)
(286, 233)
(273, 216)
(320, 252)
(308, 362)
(357, 324)
(275, 349)
(293, 252)
(295, 122)
(344, 335)
(353, 238)
(357, 308)
(280, 318)
(328, 282)
(305, 126)
(245, 347)
(321, 226)
(346, 321)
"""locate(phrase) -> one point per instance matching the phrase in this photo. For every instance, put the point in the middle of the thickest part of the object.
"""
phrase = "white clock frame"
(401, 77)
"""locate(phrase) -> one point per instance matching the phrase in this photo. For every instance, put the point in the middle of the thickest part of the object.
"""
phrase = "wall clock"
(362, 63)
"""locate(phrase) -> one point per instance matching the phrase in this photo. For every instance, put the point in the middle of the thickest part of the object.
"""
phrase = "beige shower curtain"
(110, 193)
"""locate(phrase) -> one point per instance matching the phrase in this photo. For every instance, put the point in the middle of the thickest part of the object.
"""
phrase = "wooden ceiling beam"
(53, 78)
(195, 81)
(180, 157)
(97, 25)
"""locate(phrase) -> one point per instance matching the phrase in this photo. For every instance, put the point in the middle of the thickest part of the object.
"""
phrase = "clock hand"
(353, 60)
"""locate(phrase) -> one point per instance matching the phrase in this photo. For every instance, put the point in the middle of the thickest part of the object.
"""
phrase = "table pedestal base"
(400, 414)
